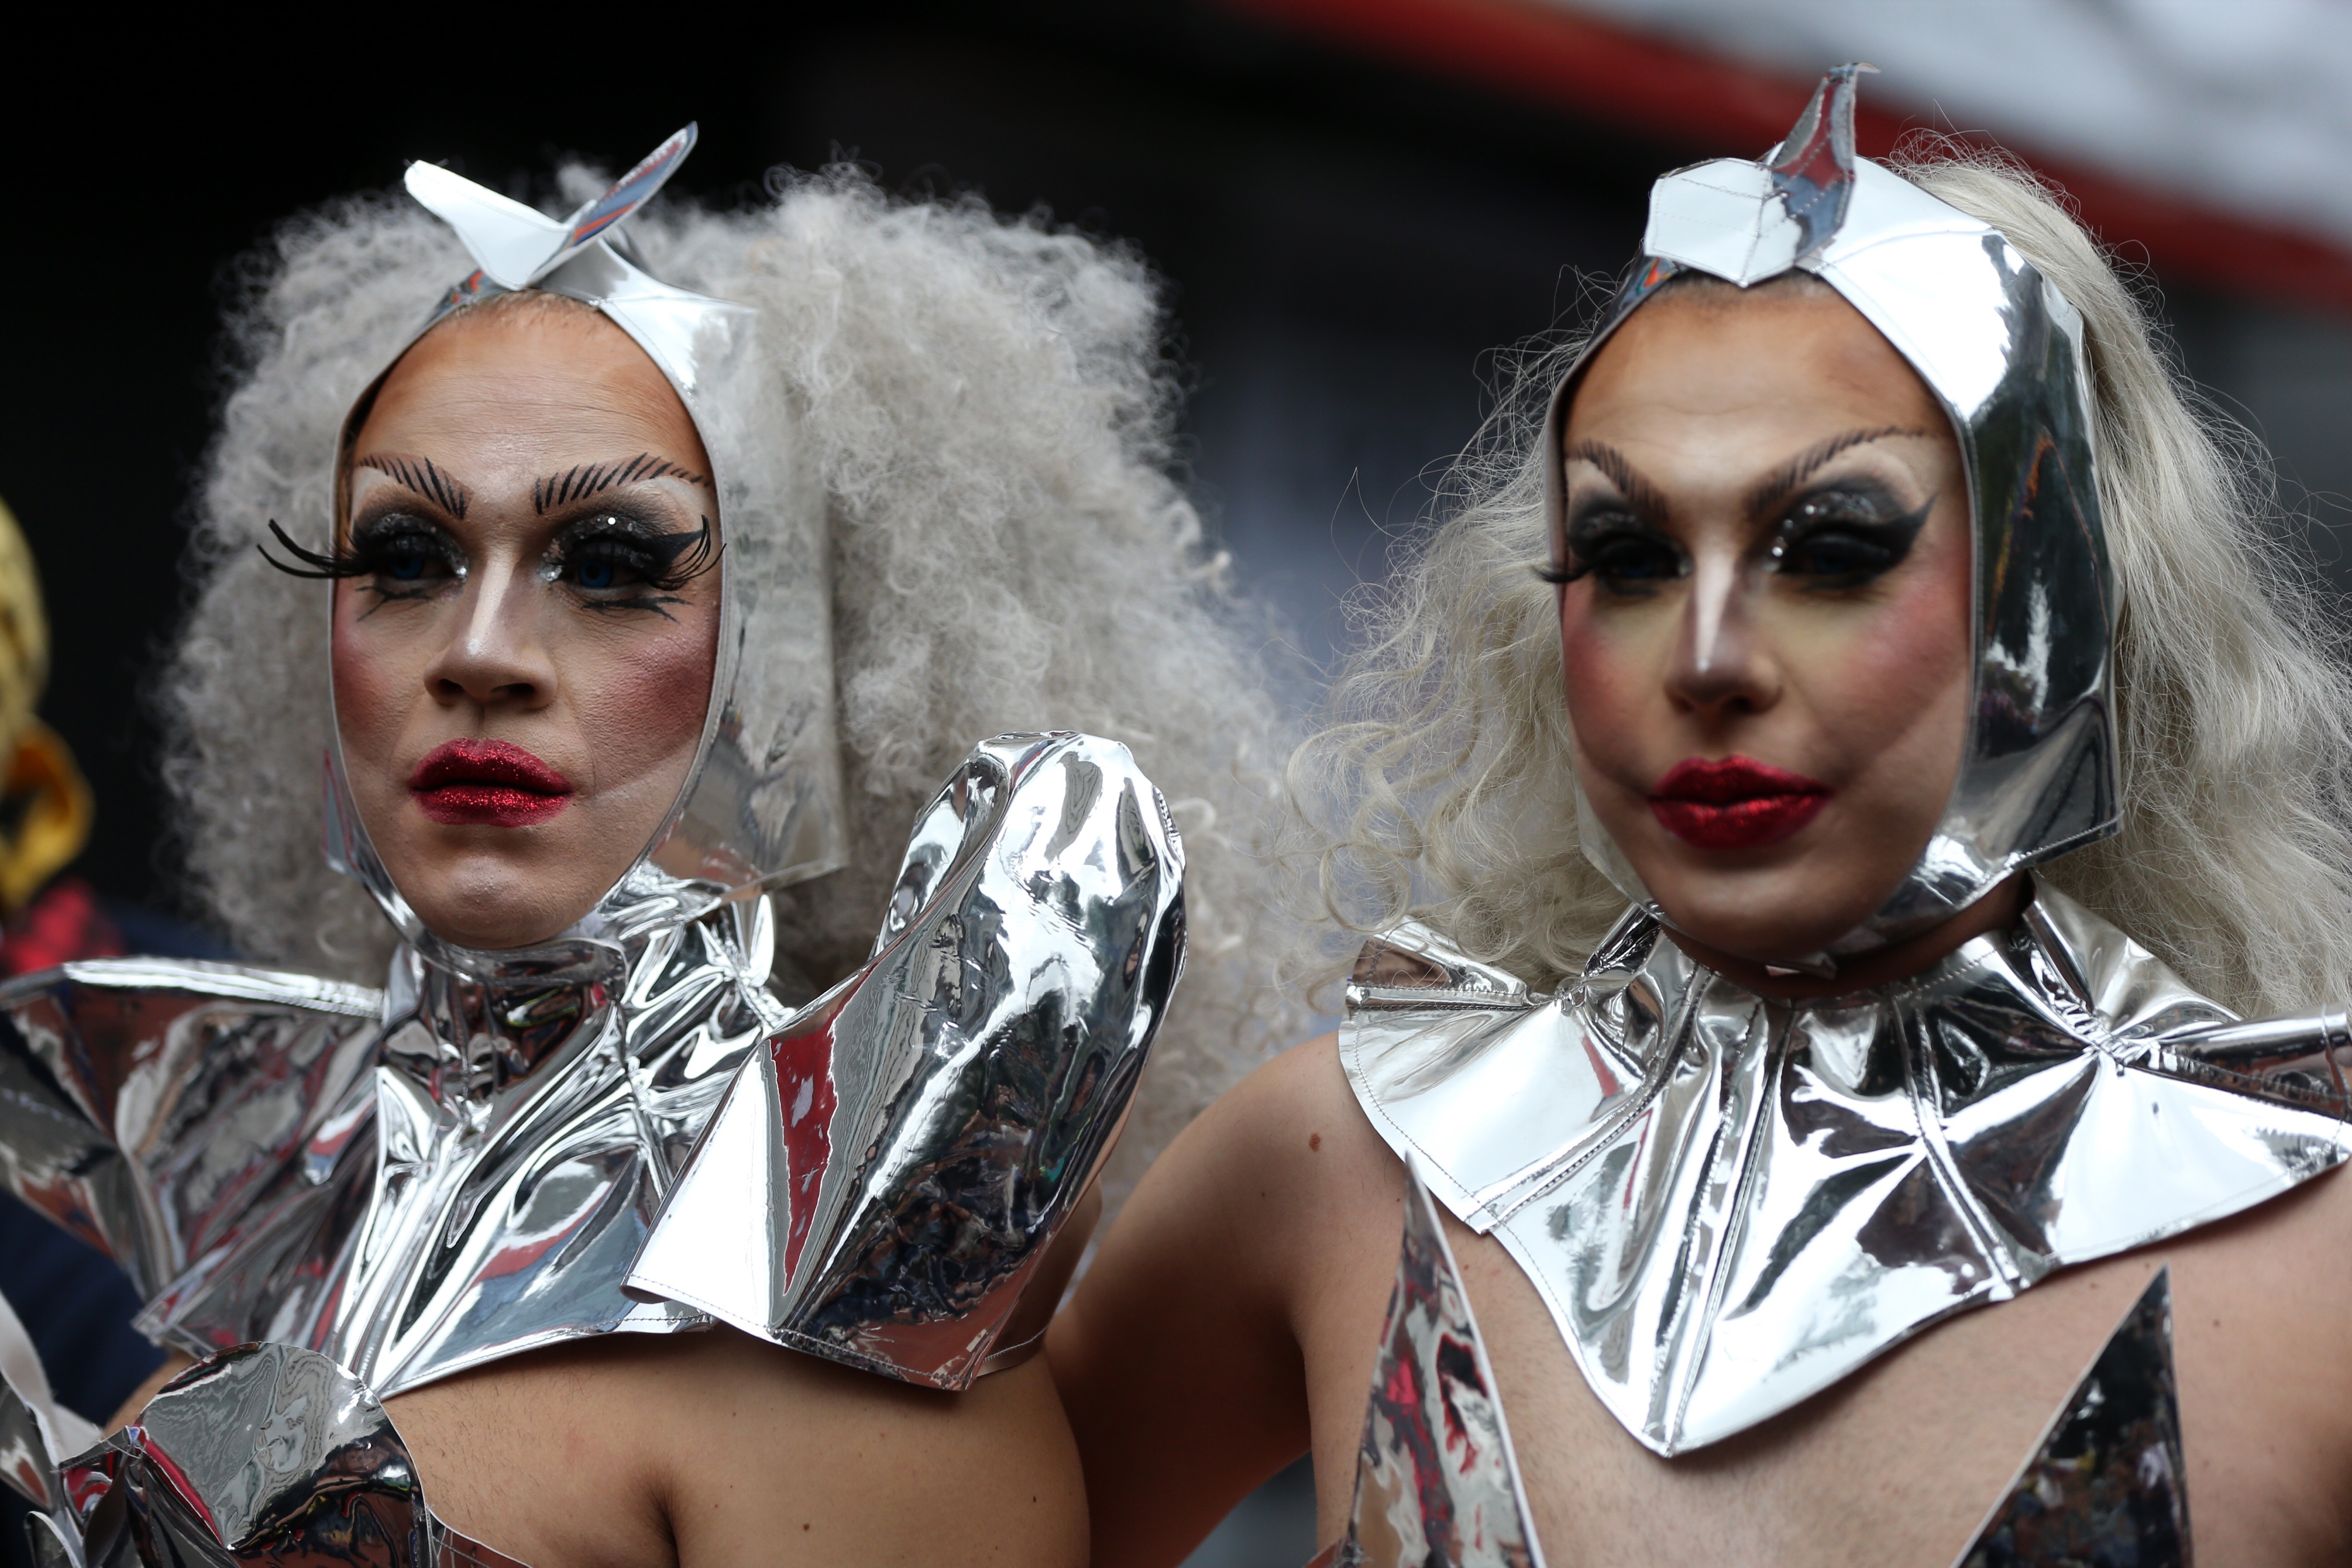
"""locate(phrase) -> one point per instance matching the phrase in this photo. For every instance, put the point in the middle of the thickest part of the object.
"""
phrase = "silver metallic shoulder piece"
(1730, 1203)
(263, 1454)
(166, 1113)
(2108, 1482)
(2002, 352)
(885, 1175)
(1436, 1483)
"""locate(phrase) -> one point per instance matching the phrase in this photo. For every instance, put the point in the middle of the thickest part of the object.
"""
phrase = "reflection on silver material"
(33, 1426)
(2108, 1481)
(410, 1183)
(470, 1163)
(918, 1132)
(265, 1454)
(1728, 1204)
(1436, 1483)
(2002, 351)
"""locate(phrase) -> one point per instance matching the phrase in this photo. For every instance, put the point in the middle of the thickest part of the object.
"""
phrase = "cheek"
(369, 679)
(643, 711)
(1900, 675)
(1609, 666)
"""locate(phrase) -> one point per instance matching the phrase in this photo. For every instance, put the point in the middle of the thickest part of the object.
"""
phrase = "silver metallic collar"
(1730, 1203)
(386, 1188)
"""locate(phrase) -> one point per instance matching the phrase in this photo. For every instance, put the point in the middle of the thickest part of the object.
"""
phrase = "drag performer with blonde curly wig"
(1862, 603)
(632, 590)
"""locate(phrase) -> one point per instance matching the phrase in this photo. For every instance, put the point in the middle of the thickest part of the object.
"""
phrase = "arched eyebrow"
(1775, 486)
(586, 480)
(1638, 491)
(419, 475)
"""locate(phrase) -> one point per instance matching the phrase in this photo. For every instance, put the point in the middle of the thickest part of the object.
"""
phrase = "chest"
(1900, 1463)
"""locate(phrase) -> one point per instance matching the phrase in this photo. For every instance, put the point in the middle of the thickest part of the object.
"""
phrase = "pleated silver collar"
(1728, 1204)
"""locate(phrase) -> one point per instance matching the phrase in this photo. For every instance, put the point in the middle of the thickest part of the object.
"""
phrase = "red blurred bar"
(1715, 108)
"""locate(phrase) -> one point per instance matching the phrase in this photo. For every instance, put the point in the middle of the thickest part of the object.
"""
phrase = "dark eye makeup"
(1841, 534)
(614, 558)
(1619, 550)
(408, 556)
(620, 560)
(1846, 533)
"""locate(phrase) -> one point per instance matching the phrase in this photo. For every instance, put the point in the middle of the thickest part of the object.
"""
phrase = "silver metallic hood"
(2002, 351)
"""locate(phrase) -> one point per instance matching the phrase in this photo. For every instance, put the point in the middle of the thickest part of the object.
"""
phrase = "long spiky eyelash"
(337, 565)
(673, 560)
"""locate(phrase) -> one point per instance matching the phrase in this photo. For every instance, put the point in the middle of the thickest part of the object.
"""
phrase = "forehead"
(1789, 353)
(527, 388)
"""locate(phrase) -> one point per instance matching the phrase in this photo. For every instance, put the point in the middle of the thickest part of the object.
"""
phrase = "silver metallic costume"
(1729, 1203)
(330, 1194)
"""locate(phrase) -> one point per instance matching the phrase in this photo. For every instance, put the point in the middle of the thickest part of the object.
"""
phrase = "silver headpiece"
(2002, 351)
(761, 808)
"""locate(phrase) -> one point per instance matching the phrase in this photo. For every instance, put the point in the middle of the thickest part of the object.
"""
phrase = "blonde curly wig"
(1438, 786)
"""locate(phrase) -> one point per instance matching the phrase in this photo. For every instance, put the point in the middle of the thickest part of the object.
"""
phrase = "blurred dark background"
(1347, 227)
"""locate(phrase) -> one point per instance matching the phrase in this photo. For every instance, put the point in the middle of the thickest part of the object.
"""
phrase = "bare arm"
(1252, 1256)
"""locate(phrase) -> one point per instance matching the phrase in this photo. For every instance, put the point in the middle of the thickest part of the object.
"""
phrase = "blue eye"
(406, 566)
(596, 574)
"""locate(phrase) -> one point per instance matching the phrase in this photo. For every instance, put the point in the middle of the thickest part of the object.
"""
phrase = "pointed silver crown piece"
(516, 247)
(1746, 222)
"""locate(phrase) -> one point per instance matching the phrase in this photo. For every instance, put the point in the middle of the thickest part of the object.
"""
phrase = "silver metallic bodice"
(1730, 1203)
(380, 1189)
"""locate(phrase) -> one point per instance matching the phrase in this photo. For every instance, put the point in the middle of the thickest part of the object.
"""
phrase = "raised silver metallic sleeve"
(890, 1168)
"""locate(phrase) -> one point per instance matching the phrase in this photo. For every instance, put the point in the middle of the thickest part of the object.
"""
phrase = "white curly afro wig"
(990, 414)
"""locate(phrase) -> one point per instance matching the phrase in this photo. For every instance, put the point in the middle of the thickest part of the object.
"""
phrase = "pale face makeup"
(526, 617)
(1765, 616)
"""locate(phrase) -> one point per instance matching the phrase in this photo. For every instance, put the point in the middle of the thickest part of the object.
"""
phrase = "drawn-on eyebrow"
(1641, 495)
(580, 483)
(1776, 485)
(419, 475)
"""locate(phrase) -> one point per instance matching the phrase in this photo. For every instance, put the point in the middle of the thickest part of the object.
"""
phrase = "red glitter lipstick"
(488, 783)
(1736, 802)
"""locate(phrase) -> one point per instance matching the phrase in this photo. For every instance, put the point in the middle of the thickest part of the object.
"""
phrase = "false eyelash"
(342, 563)
(671, 560)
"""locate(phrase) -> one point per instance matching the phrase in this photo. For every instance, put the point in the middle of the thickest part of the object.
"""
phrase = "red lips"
(489, 782)
(1736, 802)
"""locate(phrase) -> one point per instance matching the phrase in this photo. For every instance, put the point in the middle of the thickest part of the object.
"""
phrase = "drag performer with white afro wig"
(980, 414)
(612, 616)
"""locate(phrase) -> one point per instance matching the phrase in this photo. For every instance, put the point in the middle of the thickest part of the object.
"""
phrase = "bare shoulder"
(715, 1448)
(1296, 1119)
(1193, 1354)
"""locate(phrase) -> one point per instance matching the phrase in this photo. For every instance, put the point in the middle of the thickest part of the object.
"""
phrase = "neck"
(1883, 966)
